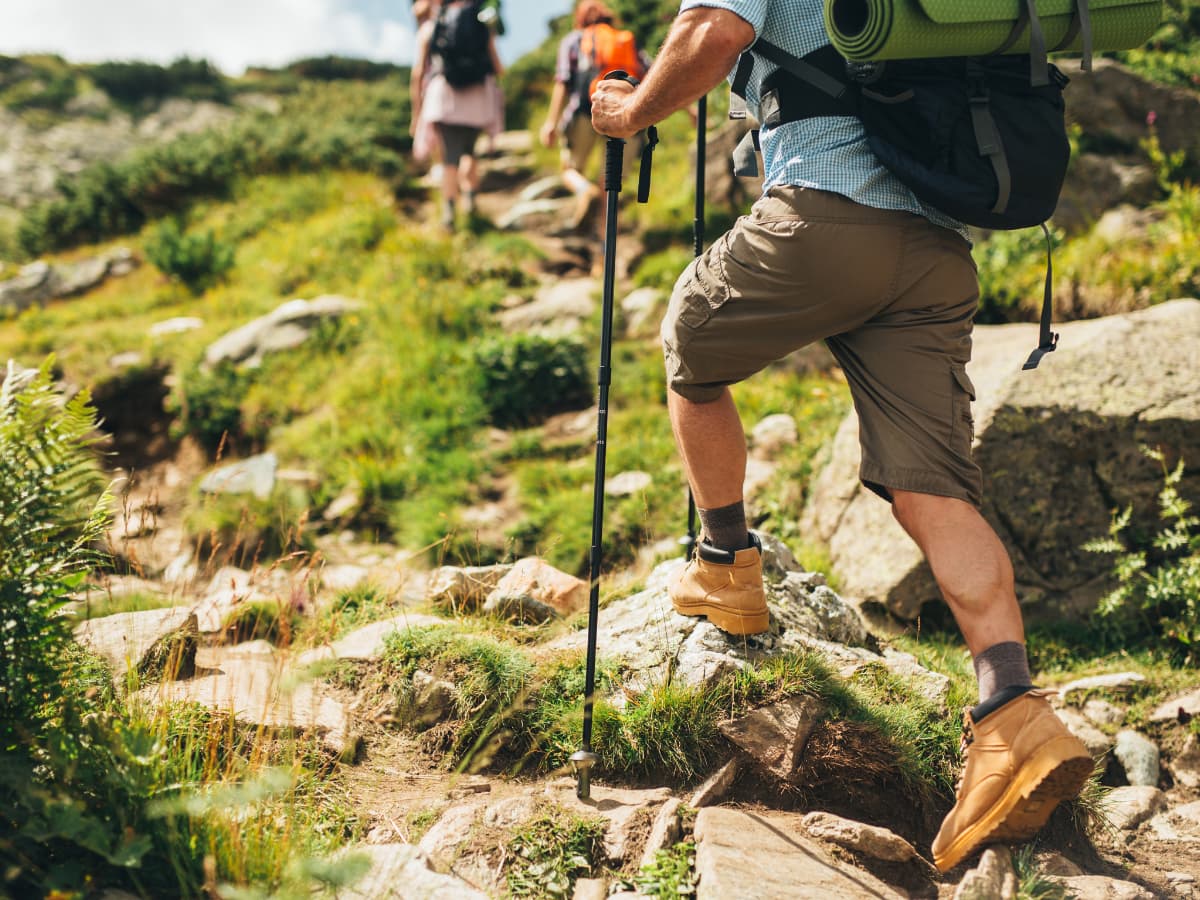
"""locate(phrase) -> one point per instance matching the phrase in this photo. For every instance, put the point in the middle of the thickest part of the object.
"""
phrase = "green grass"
(266, 620)
(1031, 883)
(525, 715)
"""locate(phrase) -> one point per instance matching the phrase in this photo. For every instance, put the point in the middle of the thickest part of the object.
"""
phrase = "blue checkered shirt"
(826, 153)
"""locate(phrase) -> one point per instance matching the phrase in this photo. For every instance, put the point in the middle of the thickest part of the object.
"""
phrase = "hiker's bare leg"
(713, 447)
(449, 182)
(469, 173)
(970, 564)
(575, 181)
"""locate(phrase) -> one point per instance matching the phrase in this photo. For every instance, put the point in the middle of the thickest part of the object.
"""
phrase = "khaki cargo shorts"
(893, 296)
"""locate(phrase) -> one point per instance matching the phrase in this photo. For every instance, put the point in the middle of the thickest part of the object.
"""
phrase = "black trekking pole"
(585, 759)
(689, 541)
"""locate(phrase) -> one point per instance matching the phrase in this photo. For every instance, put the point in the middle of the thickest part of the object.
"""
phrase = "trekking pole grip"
(614, 160)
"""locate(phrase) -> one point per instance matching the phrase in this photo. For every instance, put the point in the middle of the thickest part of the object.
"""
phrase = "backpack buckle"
(864, 72)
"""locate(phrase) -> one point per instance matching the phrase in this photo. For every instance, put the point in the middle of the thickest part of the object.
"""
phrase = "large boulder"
(1060, 448)
(557, 310)
(1114, 105)
(402, 872)
(285, 328)
(152, 643)
(40, 281)
(260, 690)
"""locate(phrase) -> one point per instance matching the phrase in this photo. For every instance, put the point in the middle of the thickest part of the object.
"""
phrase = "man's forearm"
(701, 49)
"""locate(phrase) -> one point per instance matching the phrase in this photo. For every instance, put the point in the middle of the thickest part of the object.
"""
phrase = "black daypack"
(981, 139)
(460, 44)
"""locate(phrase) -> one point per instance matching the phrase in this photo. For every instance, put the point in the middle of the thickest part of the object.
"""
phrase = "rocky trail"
(796, 807)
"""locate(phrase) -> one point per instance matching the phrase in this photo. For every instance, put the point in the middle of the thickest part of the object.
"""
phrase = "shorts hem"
(699, 393)
(884, 480)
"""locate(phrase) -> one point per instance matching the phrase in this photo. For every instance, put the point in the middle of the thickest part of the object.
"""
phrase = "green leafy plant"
(197, 260)
(525, 378)
(51, 513)
(552, 851)
(672, 874)
(1157, 598)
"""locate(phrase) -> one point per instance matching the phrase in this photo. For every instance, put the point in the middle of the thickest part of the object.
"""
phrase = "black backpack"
(981, 139)
(460, 44)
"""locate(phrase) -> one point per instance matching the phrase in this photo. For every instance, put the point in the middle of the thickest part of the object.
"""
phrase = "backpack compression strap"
(1047, 339)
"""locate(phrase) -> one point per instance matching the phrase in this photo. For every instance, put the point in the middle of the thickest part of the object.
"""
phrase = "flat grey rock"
(742, 855)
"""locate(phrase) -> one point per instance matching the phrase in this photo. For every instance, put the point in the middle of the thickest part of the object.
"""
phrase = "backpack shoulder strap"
(813, 69)
(803, 69)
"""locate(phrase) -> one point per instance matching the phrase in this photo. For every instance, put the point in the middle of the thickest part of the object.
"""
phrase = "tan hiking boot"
(726, 587)
(1019, 762)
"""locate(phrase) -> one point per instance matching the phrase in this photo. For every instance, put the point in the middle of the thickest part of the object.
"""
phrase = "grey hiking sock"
(1002, 666)
(725, 527)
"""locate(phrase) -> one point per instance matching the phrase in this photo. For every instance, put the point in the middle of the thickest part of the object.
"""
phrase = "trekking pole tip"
(582, 762)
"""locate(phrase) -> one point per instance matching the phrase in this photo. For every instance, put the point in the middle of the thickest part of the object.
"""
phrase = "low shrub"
(198, 260)
(207, 404)
(523, 379)
(348, 68)
(1172, 55)
(135, 83)
(362, 128)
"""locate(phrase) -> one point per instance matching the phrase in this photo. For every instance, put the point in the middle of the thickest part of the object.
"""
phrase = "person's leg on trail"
(468, 171)
(578, 141)
(469, 175)
(448, 183)
(974, 573)
(449, 193)
(786, 275)
(906, 367)
(1020, 761)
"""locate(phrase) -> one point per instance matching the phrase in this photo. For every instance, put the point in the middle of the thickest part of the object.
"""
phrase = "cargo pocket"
(702, 289)
(962, 423)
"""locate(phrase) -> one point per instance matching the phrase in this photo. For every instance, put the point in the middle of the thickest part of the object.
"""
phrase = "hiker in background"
(838, 249)
(456, 92)
(595, 47)
(426, 145)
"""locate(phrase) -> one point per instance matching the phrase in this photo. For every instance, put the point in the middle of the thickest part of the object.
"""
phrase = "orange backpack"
(603, 48)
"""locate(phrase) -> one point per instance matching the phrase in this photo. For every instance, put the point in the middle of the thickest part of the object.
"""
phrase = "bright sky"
(236, 33)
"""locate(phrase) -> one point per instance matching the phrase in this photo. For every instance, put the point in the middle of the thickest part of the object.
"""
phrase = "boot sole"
(1023, 809)
(728, 621)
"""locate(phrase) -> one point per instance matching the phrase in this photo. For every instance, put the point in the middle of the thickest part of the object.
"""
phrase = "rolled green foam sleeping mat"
(909, 29)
